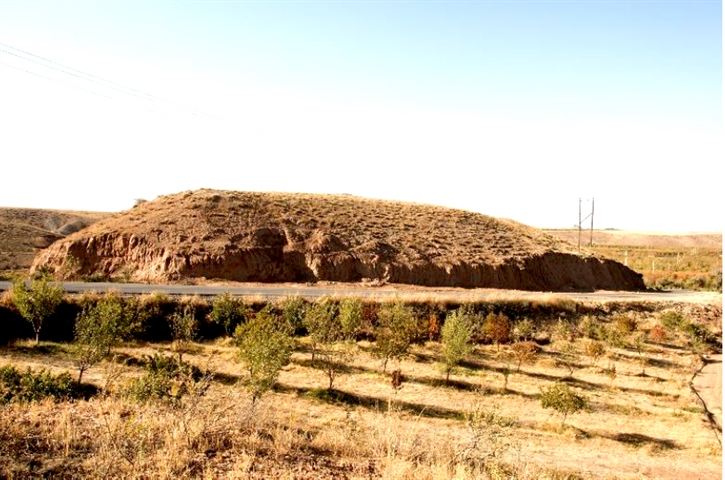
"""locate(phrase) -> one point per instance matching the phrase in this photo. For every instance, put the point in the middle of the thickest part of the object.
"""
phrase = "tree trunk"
(37, 338)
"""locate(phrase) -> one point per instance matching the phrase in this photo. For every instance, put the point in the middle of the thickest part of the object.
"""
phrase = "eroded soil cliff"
(275, 237)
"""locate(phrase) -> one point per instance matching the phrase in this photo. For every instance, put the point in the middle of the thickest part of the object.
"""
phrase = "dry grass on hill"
(216, 217)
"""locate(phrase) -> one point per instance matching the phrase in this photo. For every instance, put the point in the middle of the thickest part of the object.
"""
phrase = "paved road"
(316, 291)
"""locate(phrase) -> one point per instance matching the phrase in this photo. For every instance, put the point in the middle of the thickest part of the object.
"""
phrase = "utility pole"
(591, 225)
(579, 241)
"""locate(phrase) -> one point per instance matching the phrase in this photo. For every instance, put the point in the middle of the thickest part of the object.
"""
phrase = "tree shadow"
(452, 383)
(226, 378)
(639, 440)
(36, 350)
(339, 366)
(339, 397)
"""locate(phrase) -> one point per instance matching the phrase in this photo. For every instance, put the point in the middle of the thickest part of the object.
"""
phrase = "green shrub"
(456, 336)
(293, 311)
(525, 329)
(559, 397)
(37, 303)
(322, 324)
(227, 312)
(350, 316)
(397, 327)
(166, 379)
(672, 320)
(264, 349)
(590, 327)
(183, 330)
(31, 386)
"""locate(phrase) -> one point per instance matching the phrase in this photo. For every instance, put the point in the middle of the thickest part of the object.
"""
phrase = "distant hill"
(633, 238)
(26, 231)
(280, 237)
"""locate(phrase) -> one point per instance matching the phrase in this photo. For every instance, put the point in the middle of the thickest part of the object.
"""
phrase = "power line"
(56, 80)
(99, 81)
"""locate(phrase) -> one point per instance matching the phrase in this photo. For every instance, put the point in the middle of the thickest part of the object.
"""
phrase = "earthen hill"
(280, 237)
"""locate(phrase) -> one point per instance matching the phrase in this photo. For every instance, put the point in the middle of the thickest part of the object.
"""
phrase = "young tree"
(524, 352)
(322, 325)
(264, 349)
(95, 333)
(456, 336)
(595, 350)
(560, 398)
(227, 312)
(350, 316)
(332, 330)
(497, 328)
(293, 311)
(395, 332)
(37, 303)
(183, 330)
(525, 329)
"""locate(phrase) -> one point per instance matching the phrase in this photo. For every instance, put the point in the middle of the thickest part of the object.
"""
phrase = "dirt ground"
(708, 384)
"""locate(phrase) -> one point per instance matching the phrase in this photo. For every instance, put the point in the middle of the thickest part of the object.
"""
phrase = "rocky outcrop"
(255, 237)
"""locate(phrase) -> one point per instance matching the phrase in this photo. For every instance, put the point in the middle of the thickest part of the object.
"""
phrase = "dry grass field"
(641, 419)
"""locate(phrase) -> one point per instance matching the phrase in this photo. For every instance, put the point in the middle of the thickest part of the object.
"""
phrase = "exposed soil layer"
(275, 237)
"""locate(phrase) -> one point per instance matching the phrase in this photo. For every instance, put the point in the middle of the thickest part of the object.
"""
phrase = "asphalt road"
(315, 291)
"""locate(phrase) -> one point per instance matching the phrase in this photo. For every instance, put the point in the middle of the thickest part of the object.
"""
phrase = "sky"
(514, 109)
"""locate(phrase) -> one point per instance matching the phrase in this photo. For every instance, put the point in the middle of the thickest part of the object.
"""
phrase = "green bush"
(672, 320)
(31, 386)
(525, 329)
(293, 311)
(397, 328)
(559, 397)
(227, 312)
(166, 379)
(264, 349)
(183, 330)
(37, 303)
(456, 336)
(322, 324)
(350, 316)
(590, 327)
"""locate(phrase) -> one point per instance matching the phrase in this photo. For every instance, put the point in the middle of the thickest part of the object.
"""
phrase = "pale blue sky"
(510, 108)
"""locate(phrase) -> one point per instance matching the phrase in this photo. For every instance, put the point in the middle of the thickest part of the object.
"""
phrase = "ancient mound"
(276, 237)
